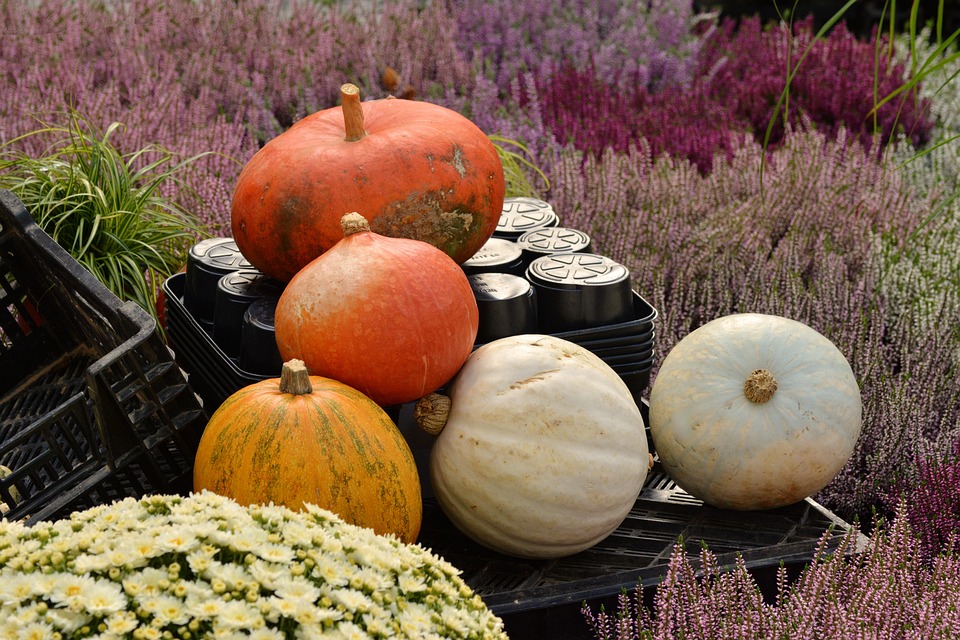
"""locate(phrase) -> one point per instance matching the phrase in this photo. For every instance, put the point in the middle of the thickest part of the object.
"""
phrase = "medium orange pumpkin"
(413, 169)
(307, 439)
(392, 317)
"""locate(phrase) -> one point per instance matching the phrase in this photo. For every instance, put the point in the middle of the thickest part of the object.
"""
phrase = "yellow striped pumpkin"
(308, 439)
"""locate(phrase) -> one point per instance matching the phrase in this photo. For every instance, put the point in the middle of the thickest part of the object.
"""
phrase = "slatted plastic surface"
(92, 404)
(640, 548)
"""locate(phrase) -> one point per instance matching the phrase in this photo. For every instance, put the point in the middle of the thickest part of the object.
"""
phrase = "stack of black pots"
(534, 276)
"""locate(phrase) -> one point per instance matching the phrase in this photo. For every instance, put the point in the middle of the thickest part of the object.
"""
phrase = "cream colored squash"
(543, 450)
(754, 411)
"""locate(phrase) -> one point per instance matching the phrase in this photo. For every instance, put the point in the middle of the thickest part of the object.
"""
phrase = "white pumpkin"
(543, 451)
(754, 411)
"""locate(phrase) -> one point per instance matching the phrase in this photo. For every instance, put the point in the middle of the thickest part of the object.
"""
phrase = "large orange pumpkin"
(413, 169)
(392, 317)
(308, 439)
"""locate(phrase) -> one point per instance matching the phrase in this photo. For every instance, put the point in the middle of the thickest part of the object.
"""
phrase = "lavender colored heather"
(221, 77)
(801, 244)
(879, 589)
(650, 43)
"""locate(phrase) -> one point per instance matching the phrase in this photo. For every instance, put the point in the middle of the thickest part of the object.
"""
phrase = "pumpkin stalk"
(431, 413)
(353, 223)
(352, 112)
(295, 379)
(760, 386)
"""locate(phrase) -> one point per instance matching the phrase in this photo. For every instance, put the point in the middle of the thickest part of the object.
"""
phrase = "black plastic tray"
(213, 374)
(92, 405)
(542, 598)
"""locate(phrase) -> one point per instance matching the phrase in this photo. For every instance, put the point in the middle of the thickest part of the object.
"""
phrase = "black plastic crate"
(92, 405)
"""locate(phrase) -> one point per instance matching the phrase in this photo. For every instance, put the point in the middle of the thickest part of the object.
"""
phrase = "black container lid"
(497, 255)
(507, 304)
(493, 287)
(236, 291)
(258, 343)
(576, 270)
(540, 242)
(520, 215)
(208, 261)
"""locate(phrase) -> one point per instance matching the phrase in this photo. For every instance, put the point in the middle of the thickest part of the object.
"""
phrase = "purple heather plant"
(930, 499)
(801, 244)
(739, 77)
(221, 77)
(881, 588)
(650, 43)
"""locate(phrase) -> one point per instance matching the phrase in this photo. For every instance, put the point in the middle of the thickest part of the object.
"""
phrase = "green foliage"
(109, 210)
(518, 169)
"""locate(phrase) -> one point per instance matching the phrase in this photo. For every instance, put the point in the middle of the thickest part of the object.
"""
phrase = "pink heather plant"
(881, 589)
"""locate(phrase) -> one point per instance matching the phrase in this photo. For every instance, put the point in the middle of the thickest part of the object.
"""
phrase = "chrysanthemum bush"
(203, 566)
(881, 588)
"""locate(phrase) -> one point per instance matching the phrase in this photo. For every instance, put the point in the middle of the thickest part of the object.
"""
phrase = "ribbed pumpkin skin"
(392, 317)
(423, 171)
(334, 448)
(544, 450)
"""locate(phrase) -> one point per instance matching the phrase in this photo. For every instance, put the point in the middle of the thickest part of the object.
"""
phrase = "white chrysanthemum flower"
(274, 608)
(65, 620)
(378, 623)
(200, 561)
(297, 534)
(69, 590)
(247, 540)
(148, 581)
(265, 634)
(313, 616)
(121, 623)
(411, 583)
(297, 589)
(268, 574)
(351, 599)
(203, 608)
(370, 580)
(103, 598)
(238, 614)
(415, 620)
(16, 588)
(34, 631)
(332, 571)
(165, 608)
(176, 541)
(234, 576)
(274, 553)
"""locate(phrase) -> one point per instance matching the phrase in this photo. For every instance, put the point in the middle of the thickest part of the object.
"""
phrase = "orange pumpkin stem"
(352, 112)
(295, 379)
(352, 223)
(760, 386)
(431, 413)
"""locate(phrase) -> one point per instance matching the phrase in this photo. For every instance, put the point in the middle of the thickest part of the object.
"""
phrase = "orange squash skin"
(334, 448)
(391, 317)
(422, 171)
